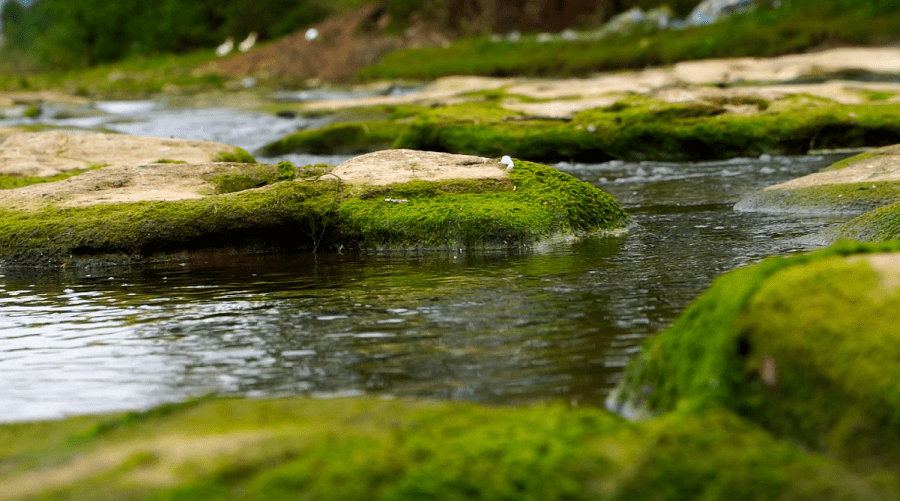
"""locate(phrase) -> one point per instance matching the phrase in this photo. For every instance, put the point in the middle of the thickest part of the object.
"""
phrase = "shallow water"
(492, 327)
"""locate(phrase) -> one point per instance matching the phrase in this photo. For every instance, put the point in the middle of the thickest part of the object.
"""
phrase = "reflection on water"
(560, 323)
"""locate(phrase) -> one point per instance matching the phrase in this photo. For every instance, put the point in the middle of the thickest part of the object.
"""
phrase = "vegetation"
(390, 450)
(636, 128)
(795, 26)
(538, 202)
(817, 368)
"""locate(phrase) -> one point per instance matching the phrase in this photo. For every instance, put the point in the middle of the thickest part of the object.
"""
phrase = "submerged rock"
(148, 211)
(808, 347)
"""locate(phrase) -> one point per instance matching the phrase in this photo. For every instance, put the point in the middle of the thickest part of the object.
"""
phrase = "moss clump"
(238, 156)
(252, 176)
(806, 346)
(393, 450)
(343, 138)
(537, 203)
(170, 161)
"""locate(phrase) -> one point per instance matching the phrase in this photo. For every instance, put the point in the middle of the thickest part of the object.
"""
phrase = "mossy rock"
(366, 448)
(879, 225)
(807, 346)
(528, 205)
(635, 129)
(852, 186)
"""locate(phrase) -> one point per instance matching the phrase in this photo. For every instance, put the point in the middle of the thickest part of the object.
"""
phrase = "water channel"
(494, 327)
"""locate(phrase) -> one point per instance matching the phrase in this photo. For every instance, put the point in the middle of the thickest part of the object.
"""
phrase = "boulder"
(386, 200)
(807, 346)
(849, 187)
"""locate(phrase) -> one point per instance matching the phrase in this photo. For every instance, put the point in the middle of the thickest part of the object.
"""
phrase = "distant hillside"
(59, 34)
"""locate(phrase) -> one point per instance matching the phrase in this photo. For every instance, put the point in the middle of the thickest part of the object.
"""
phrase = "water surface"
(489, 327)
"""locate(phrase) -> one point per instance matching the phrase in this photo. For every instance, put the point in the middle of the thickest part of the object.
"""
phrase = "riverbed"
(495, 327)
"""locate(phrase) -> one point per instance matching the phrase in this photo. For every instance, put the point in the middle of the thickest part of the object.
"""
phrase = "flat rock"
(46, 154)
(400, 166)
(883, 166)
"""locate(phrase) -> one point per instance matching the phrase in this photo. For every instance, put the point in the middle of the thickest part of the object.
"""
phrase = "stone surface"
(45, 154)
(400, 166)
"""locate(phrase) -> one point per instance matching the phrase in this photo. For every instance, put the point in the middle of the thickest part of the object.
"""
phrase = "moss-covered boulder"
(365, 448)
(806, 346)
(420, 200)
(852, 186)
(709, 126)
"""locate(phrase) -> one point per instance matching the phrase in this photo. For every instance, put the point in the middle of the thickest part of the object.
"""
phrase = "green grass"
(797, 26)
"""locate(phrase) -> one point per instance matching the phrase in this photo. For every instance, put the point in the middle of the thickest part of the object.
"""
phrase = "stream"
(495, 327)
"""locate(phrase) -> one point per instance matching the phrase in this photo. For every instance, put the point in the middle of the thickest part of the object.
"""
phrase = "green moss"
(824, 324)
(32, 112)
(847, 162)
(539, 202)
(855, 198)
(8, 182)
(169, 161)
(879, 225)
(634, 129)
(252, 176)
(392, 450)
(239, 156)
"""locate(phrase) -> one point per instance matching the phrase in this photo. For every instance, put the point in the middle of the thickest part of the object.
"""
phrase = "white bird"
(226, 47)
(508, 162)
(248, 42)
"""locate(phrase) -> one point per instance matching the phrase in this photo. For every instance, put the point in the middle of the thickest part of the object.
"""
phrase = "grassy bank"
(401, 450)
(797, 26)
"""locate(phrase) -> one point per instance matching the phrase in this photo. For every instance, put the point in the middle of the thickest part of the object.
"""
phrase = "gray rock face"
(710, 11)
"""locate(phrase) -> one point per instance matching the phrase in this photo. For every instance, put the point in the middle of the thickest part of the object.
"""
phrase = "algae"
(879, 225)
(796, 344)
(238, 156)
(367, 448)
(636, 128)
(537, 203)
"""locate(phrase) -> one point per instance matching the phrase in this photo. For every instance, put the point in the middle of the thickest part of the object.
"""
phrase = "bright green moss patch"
(252, 176)
(343, 138)
(350, 449)
(238, 156)
(806, 346)
(170, 161)
(538, 203)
